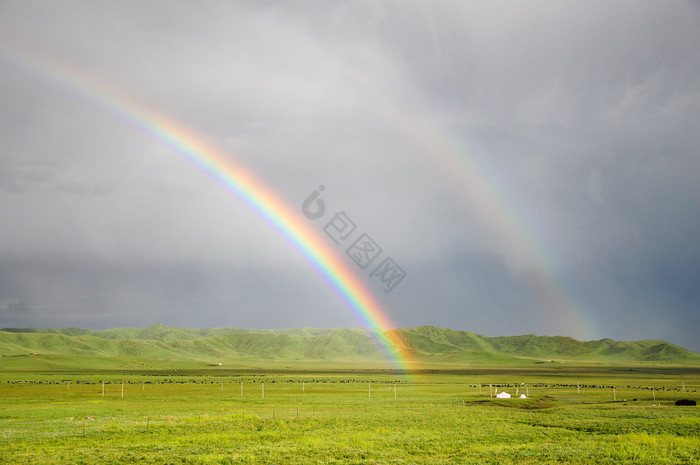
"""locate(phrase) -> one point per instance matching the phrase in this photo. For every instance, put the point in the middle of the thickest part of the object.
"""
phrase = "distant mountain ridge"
(424, 343)
(546, 347)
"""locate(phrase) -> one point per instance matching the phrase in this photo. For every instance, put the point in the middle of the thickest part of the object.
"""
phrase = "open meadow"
(574, 414)
(360, 232)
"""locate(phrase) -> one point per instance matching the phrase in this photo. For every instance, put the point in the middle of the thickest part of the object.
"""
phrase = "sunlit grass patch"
(442, 418)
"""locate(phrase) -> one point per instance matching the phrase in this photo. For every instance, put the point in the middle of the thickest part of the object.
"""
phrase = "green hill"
(231, 346)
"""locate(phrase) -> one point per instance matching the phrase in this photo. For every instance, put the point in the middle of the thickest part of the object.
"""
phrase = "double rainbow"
(497, 210)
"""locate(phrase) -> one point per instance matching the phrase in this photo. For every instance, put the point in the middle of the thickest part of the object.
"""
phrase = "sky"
(528, 167)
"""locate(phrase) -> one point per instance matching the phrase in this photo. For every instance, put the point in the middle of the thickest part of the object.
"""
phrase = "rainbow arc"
(224, 169)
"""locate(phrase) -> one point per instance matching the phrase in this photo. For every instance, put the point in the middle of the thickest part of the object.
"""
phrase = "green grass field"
(353, 416)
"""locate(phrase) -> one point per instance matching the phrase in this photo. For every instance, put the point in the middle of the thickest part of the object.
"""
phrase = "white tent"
(503, 395)
(523, 396)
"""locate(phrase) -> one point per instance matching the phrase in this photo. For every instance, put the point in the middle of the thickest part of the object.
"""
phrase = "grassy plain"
(314, 414)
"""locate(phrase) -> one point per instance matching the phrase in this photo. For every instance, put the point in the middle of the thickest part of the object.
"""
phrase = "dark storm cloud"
(584, 112)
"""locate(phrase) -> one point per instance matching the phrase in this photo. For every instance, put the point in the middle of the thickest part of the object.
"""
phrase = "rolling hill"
(428, 344)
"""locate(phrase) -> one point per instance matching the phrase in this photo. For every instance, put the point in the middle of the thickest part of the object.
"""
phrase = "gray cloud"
(13, 306)
(580, 115)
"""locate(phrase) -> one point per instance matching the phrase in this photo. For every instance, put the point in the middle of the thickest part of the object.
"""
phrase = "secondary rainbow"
(220, 166)
(497, 208)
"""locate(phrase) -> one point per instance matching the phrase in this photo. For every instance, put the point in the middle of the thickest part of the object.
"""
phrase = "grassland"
(159, 396)
(317, 415)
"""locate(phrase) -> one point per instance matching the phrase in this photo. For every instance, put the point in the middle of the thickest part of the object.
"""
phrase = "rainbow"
(498, 209)
(221, 167)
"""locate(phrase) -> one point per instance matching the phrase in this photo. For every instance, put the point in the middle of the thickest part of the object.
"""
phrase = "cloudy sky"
(532, 167)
